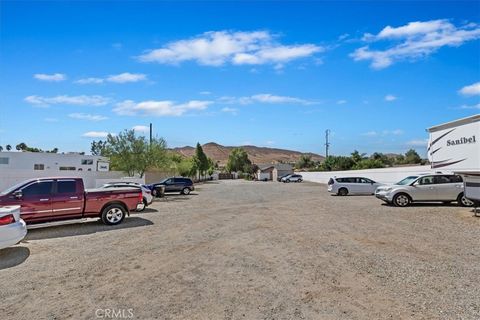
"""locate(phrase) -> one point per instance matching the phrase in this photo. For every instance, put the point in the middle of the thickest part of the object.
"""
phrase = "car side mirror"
(18, 194)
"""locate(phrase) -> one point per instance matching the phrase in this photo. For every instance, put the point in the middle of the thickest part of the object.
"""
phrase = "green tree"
(412, 157)
(238, 160)
(305, 161)
(97, 148)
(357, 156)
(8, 147)
(133, 154)
(201, 159)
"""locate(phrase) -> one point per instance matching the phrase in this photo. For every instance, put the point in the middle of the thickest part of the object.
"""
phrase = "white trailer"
(455, 146)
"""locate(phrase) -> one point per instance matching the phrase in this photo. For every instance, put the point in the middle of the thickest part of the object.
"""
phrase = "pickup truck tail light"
(8, 219)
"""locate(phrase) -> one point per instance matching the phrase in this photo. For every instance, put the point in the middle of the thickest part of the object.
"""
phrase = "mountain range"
(258, 155)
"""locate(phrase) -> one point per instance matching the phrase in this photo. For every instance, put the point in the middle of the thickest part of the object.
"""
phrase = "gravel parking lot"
(252, 250)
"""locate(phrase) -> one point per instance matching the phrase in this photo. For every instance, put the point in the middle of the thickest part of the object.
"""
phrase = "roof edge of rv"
(455, 123)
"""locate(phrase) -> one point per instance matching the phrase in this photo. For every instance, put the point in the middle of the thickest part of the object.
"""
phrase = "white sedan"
(12, 228)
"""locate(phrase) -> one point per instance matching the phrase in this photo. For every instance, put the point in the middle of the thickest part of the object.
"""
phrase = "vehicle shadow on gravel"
(13, 256)
(83, 228)
(427, 204)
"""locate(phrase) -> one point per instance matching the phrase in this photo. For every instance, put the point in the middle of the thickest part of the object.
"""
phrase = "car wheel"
(113, 214)
(154, 192)
(401, 200)
(142, 205)
(463, 201)
(287, 181)
(185, 191)
(342, 191)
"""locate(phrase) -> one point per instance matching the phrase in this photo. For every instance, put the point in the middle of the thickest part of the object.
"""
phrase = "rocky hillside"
(257, 155)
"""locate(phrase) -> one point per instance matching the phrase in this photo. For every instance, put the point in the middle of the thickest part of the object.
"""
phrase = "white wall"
(386, 175)
(91, 179)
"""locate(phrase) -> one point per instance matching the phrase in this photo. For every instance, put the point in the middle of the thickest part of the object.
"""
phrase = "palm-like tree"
(8, 147)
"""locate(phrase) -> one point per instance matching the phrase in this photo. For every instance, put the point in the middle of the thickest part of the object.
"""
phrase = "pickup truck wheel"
(113, 214)
(463, 201)
(186, 191)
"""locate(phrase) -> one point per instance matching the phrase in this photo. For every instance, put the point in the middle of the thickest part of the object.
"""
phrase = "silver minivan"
(437, 187)
(352, 185)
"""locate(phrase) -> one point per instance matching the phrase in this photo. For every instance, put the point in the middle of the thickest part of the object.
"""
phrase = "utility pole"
(150, 133)
(327, 144)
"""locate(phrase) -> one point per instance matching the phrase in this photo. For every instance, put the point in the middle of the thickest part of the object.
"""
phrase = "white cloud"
(265, 98)
(390, 97)
(475, 106)
(95, 134)
(115, 78)
(395, 132)
(141, 128)
(90, 80)
(56, 77)
(89, 117)
(414, 40)
(126, 77)
(270, 142)
(82, 100)
(230, 110)
(471, 90)
(341, 101)
(159, 108)
(418, 143)
(217, 48)
(205, 93)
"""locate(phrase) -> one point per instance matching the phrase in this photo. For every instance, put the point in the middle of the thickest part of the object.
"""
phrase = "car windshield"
(407, 180)
(12, 188)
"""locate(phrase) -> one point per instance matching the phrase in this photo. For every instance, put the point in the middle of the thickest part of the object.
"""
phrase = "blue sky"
(264, 73)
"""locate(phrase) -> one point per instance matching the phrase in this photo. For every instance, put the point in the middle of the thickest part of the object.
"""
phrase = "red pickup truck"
(54, 199)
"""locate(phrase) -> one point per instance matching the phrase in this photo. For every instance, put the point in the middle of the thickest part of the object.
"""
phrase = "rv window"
(38, 166)
(4, 160)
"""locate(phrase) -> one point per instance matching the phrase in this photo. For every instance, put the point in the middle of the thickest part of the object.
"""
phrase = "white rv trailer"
(455, 146)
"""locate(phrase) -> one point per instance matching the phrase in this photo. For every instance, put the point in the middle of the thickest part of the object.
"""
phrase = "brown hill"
(256, 154)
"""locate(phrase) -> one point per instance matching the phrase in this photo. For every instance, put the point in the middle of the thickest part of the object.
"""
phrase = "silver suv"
(439, 187)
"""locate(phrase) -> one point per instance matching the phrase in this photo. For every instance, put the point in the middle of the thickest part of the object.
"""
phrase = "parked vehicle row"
(436, 187)
(47, 200)
(54, 199)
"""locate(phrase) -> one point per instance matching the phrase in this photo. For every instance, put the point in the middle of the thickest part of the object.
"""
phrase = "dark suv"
(173, 184)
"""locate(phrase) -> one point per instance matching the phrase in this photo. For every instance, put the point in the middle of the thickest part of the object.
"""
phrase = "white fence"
(386, 175)
(91, 179)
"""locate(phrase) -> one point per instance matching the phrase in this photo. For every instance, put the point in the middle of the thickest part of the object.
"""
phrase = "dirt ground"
(252, 250)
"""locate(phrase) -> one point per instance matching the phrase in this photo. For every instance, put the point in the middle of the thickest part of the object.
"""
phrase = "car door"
(448, 187)
(366, 186)
(169, 185)
(424, 189)
(36, 200)
(67, 199)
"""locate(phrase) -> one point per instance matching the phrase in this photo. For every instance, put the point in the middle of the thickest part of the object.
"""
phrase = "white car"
(292, 178)
(437, 187)
(352, 185)
(12, 228)
(146, 192)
